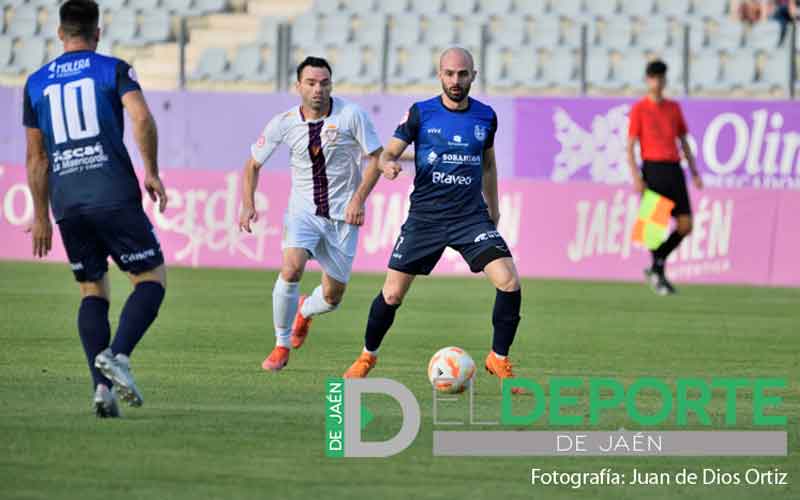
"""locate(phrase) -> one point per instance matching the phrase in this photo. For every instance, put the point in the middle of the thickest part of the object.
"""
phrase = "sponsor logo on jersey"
(458, 141)
(461, 159)
(434, 131)
(69, 68)
(432, 156)
(137, 256)
(450, 179)
(132, 75)
(480, 132)
(84, 157)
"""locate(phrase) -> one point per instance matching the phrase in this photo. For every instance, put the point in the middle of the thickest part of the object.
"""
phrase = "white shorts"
(332, 243)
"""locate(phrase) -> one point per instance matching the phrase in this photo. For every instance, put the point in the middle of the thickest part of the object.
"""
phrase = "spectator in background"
(785, 12)
(748, 11)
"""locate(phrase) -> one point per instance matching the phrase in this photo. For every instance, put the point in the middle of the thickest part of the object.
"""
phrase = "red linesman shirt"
(657, 126)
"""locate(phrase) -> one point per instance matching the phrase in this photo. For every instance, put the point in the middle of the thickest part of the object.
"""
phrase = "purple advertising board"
(738, 144)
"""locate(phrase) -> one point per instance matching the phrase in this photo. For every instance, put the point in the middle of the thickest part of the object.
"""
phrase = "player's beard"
(464, 92)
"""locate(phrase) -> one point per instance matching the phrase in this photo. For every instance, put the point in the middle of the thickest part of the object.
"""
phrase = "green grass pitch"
(214, 425)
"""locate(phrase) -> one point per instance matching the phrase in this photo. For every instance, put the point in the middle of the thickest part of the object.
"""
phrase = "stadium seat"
(30, 56)
(213, 65)
(156, 26)
(676, 9)
(105, 47)
(442, 32)
(471, 33)
(123, 27)
(618, 33)
(350, 68)
(562, 69)
(524, 68)
(764, 36)
(144, 5)
(406, 29)
(176, 6)
(598, 70)
(6, 45)
(335, 29)
(393, 6)
(49, 28)
(497, 7)
(359, 7)
(709, 77)
(25, 22)
(775, 72)
(629, 72)
(710, 9)
(727, 36)
(697, 35)
(654, 34)
(370, 30)
(571, 9)
(532, 8)
(416, 68)
(326, 7)
(546, 32)
(739, 70)
(208, 6)
(250, 65)
(427, 8)
(463, 8)
(305, 30)
(497, 71)
(268, 30)
(511, 31)
(602, 8)
(642, 9)
(674, 60)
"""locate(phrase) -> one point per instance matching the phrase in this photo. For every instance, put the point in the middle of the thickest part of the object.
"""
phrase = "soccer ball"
(451, 370)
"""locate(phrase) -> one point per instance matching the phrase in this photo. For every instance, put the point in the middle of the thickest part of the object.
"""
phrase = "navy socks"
(505, 319)
(138, 314)
(95, 332)
(381, 317)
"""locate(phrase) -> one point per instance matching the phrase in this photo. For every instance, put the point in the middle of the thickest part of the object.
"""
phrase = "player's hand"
(248, 216)
(638, 185)
(391, 169)
(155, 188)
(354, 214)
(698, 181)
(42, 233)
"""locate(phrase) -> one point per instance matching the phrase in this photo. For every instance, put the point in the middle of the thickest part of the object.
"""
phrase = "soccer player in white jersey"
(326, 137)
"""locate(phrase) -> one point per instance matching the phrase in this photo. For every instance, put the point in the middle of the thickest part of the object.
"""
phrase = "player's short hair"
(79, 18)
(656, 68)
(314, 62)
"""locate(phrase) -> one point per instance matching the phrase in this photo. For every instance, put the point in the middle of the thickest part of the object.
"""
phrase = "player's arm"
(489, 184)
(37, 165)
(354, 214)
(389, 162)
(634, 131)
(249, 186)
(146, 135)
(690, 159)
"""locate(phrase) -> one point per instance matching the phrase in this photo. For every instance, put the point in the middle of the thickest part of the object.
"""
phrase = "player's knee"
(291, 274)
(93, 289)
(392, 297)
(333, 297)
(509, 284)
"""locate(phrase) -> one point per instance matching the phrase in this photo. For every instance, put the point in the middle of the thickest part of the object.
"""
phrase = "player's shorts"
(667, 179)
(125, 234)
(421, 244)
(332, 243)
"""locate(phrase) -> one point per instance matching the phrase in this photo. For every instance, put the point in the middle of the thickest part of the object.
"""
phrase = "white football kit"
(326, 171)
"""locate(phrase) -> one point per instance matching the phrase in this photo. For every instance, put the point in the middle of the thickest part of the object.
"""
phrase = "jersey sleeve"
(126, 79)
(364, 131)
(681, 128)
(635, 123)
(489, 143)
(268, 141)
(409, 129)
(29, 118)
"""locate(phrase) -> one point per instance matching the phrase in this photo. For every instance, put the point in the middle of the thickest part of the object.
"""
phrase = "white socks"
(284, 308)
(315, 304)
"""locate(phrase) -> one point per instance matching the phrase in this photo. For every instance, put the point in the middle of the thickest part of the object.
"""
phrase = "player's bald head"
(456, 58)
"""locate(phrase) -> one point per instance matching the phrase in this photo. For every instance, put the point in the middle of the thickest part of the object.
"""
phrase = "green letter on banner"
(334, 417)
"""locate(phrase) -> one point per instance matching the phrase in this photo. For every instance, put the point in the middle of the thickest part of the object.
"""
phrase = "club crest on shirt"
(480, 132)
(331, 133)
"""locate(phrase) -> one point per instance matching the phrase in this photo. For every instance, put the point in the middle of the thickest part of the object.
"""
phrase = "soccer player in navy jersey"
(78, 166)
(454, 203)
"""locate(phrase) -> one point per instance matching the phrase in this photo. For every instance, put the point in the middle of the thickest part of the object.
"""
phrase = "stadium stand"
(526, 45)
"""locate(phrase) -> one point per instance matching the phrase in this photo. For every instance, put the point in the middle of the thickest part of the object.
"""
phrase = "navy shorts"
(125, 234)
(667, 179)
(421, 244)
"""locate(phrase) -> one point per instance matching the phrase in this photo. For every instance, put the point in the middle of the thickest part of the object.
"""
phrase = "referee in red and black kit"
(657, 124)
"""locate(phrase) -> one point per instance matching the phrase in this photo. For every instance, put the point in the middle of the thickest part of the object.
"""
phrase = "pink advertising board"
(576, 230)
